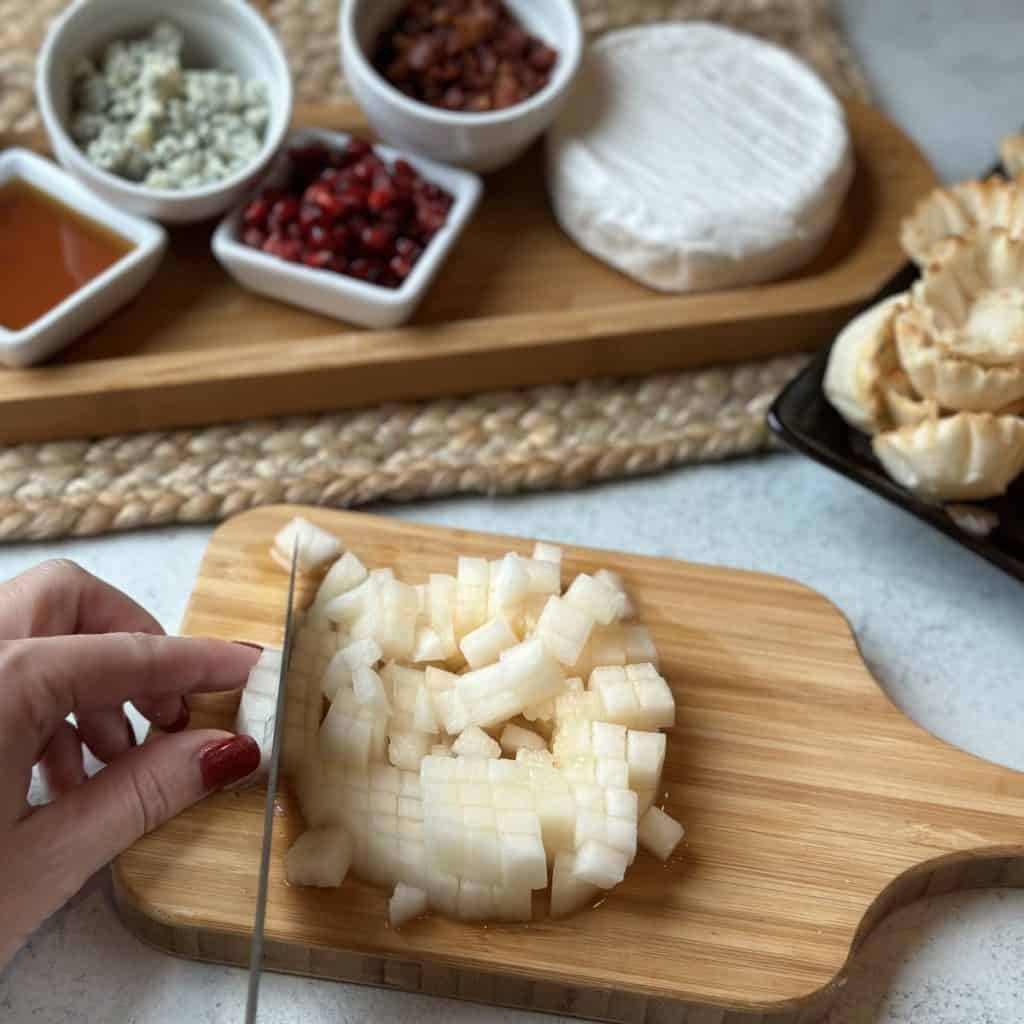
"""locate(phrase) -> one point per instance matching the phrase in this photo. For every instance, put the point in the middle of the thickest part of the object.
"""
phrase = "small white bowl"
(96, 299)
(333, 294)
(481, 142)
(218, 33)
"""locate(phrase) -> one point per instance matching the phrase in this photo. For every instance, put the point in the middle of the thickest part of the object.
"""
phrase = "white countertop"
(939, 628)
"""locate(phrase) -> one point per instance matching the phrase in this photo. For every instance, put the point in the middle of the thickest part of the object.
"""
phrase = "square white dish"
(98, 298)
(333, 294)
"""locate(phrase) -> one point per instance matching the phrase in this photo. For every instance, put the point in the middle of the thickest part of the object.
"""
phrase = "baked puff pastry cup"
(965, 457)
(961, 210)
(1012, 152)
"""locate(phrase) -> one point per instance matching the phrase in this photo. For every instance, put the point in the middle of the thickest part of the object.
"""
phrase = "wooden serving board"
(517, 304)
(813, 808)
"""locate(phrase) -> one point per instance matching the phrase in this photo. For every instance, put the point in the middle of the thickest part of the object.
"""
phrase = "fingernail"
(248, 643)
(228, 761)
(132, 741)
(181, 722)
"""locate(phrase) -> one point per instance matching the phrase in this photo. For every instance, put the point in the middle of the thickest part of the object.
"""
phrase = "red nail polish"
(132, 741)
(181, 722)
(248, 643)
(228, 761)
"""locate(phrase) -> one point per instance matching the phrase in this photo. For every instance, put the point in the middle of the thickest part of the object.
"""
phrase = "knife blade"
(256, 947)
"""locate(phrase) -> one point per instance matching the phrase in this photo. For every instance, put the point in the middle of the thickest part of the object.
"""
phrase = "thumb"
(56, 849)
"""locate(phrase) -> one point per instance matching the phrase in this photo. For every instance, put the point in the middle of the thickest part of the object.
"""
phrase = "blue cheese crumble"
(142, 116)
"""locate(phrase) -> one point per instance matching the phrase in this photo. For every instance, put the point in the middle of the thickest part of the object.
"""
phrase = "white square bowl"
(98, 298)
(333, 294)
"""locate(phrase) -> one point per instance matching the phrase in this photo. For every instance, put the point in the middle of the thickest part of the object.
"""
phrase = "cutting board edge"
(993, 868)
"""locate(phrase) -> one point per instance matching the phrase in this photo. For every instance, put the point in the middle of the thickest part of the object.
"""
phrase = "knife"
(256, 948)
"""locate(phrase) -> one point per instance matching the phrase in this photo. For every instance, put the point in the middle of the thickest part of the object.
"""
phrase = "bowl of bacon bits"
(348, 229)
(469, 82)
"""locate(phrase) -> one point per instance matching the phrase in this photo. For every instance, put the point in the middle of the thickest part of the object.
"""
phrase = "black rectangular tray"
(803, 418)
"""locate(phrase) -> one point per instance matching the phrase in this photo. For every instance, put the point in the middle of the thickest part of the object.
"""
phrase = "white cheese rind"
(693, 157)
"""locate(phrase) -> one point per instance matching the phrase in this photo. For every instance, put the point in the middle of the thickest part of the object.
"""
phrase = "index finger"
(42, 681)
(59, 598)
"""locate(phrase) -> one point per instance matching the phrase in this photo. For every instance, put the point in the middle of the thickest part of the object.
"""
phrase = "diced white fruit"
(557, 813)
(316, 547)
(545, 577)
(441, 750)
(346, 738)
(255, 718)
(346, 574)
(451, 711)
(364, 653)
(264, 680)
(484, 644)
(624, 609)
(543, 552)
(621, 803)
(594, 597)
(441, 600)
(599, 864)
(474, 742)
(514, 737)
(564, 630)
(512, 904)
(569, 892)
(424, 714)
(645, 753)
(607, 646)
(659, 833)
(524, 861)
(369, 691)
(406, 904)
(610, 772)
(640, 646)
(532, 673)
(475, 901)
(511, 582)
(319, 857)
(657, 705)
(585, 706)
(608, 740)
(352, 604)
(407, 749)
(396, 628)
(473, 579)
(428, 646)
(541, 758)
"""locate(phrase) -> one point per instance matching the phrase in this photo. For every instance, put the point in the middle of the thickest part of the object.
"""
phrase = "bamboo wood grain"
(813, 808)
(516, 305)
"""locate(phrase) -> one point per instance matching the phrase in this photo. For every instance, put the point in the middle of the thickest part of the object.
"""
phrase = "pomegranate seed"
(254, 237)
(401, 266)
(318, 236)
(379, 238)
(407, 247)
(357, 149)
(284, 248)
(381, 198)
(318, 258)
(283, 212)
(359, 268)
(310, 214)
(256, 211)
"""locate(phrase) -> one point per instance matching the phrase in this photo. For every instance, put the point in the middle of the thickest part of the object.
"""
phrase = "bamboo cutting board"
(813, 808)
(517, 304)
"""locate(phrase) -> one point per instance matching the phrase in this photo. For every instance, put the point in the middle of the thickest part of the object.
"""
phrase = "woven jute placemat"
(544, 438)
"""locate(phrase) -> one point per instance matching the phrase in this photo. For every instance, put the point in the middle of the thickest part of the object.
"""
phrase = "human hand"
(71, 643)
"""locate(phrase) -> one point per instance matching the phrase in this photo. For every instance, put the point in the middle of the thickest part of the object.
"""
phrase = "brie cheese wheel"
(694, 157)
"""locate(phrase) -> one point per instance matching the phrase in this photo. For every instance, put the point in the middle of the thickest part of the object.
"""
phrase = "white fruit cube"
(424, 714)
(346, 574)
(315, 547)
(475, 902)
(645, 752)
(611, 772)
(481, 856)
(513, 798)
(385, 779)
(621, 803)
(441, 750)
(510, 582)
(607, 646)
(515, 738)
(396, 627)
(622, 836)
(319, 857)
(592, 596)
(573, 738)
(624, 609)
(532, 673)
(660, 833)
(524, 861)
(543, 552)
(407, 749)
(529, 757)
(406, 904)
(569, 892)
(545, 577)
(492, 711)
(657, 705)
(441, 602)
(485, 643)
(564, 630)
(599, 864)
(474, 742)
(557, 813)
(512, 904)
(428, 646)
(443, 892)
(518, 823)
(608, 740)
(482, 682)
(369, 691)
(352, 604)
(473, 579)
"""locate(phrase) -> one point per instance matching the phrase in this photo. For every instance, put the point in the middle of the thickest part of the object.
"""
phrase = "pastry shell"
(960, 210)
(970, 299)
(862, 355)
(966, 457)
(1012, 152)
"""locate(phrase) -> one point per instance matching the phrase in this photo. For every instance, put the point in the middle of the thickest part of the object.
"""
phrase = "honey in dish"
(47, 251)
